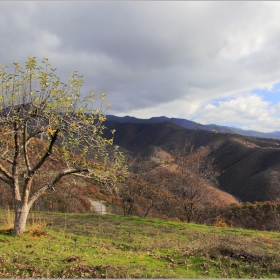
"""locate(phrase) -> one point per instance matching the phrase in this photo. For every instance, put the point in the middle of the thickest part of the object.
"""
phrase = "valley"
(249, 167)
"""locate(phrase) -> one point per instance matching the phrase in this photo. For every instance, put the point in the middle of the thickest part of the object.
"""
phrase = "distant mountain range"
(193, 125)
(249, 166)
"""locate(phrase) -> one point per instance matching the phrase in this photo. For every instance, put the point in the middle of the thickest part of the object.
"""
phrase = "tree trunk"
(21, 213)
(189, 211)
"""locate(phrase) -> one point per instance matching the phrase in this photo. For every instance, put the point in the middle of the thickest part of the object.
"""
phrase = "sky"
(209, 62)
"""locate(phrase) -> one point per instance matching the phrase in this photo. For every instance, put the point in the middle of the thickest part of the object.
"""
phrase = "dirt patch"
(239, 254)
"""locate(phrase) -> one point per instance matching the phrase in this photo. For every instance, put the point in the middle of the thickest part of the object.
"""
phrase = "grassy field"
(111, 246)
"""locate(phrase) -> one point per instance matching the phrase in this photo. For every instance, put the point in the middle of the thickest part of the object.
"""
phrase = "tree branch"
(41, 191)
(24, 144)
(47, 154)
(17, 149)
(4, 158)
(67, 172)
(6, 173)
(6, 181)
(30, 136)
(7, 160)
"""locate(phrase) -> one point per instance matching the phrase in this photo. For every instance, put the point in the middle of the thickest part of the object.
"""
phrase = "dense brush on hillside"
(256, 216)
(175, 186)
(249, 167)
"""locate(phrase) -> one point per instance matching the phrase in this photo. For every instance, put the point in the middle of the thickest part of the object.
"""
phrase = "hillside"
(249, 167)
(110, 246)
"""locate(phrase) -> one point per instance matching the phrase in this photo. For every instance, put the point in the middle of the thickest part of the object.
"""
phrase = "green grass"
(89, 246)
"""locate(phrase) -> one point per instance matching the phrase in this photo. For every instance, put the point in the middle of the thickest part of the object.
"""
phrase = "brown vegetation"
(177, 185)
(249, 167)
(257, 216)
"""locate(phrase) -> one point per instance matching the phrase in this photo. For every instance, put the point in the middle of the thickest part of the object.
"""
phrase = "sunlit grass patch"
(92, 246)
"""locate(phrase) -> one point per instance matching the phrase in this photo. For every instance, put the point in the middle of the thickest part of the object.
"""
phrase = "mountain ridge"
(194, 125)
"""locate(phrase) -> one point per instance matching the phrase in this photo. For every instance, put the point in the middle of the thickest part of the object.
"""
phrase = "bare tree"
(38, 111)
(137, 192)
(192, 172)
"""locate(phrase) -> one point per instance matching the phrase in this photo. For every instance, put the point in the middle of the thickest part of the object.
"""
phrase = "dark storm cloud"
(150, 57)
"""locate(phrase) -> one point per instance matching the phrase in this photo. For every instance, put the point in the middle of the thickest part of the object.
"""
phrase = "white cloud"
(248, 112)
(183, 108)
